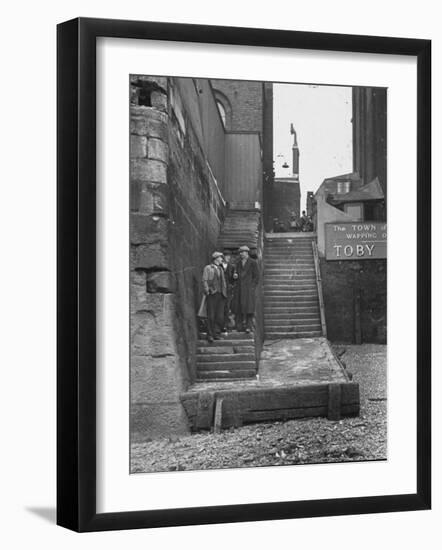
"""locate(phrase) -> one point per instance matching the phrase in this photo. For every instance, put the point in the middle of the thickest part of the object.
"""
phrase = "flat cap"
(216, 255)
(244, 248)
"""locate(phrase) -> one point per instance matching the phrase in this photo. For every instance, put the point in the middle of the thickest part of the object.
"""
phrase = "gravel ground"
(308, 441)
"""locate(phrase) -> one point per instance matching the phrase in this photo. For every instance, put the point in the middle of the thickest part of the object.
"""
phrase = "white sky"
(321, 116)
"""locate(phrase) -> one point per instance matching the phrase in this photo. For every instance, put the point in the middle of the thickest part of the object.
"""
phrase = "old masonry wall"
(176, 213)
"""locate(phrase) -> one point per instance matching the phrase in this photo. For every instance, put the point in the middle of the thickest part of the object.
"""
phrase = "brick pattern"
(246, 99)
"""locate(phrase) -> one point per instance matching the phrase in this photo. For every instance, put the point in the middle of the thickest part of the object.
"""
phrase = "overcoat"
(244, 293)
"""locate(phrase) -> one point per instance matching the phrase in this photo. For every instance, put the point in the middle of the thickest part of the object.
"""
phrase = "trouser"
(227, 305)
(215, 313)
(244, 320)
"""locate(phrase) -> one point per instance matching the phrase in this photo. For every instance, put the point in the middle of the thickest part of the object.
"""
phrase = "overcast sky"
(321, 116)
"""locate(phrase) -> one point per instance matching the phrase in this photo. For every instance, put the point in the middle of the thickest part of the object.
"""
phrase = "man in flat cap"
(243, 303)
(214, 286)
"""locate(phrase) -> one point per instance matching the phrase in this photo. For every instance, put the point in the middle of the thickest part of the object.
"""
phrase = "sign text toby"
(355, 241)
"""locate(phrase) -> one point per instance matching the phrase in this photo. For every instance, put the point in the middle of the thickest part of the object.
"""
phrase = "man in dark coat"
(230, 276)
(214, 286)
(243, 303)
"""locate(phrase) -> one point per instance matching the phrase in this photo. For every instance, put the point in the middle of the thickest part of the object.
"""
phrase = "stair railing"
(319, 286)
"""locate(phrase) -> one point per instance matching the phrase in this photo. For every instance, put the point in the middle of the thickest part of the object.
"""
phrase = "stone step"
(287, 294)
(293, 326)
(288, 250)
(288, 266)
(292, 281)
(224, 357)
(268, 290)
(303, 307)
(289, 305)
(286, 279)
(270, 335)
(232, 343)
(231, 337)
(288, 263)
(225, 350)
(282, 316)
(288, 258)
(290, 274)
(222, 366)
(225, 375)
(288, 271)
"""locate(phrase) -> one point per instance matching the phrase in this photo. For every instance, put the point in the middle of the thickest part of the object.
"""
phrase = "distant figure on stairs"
(244, 297)
(306, 222)
(215, 290)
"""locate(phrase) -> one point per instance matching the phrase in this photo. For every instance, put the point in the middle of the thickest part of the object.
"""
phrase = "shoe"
(209, 339)
(248, 331)
(217, 337)
(224, 333)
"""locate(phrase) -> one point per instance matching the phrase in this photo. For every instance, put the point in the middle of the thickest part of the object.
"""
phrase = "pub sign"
(355, 241)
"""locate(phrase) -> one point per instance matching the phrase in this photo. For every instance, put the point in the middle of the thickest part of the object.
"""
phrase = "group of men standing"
(230, 288)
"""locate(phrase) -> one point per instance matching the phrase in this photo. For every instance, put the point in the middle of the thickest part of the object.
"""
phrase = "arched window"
(224, 108)
(222, 111)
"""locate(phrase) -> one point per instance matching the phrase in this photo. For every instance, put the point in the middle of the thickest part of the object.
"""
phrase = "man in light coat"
(215, 289)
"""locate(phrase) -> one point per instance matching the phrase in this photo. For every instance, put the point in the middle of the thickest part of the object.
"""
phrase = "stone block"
(160, 81)
(146, 229)
(155, 420)
(151, 256)
(138, 146)
(159, 100)
(138, 278)
(160, 281)
(148, 121)
(152, 335)
(158, 150)
(148, 170)
(155, 379)
(153, 199)
(135, 195)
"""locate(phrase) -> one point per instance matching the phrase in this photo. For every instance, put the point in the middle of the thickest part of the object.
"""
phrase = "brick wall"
(176, 211)
(246, 101)
(344, 284)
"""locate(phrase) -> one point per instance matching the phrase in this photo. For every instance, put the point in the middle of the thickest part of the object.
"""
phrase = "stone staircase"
(291, 301)
(240, 227)
(230, 358)
(233, 357)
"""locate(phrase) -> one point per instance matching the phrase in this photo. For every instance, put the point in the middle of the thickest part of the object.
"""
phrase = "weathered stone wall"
(346, 284)
(176, 211)
(197, 212)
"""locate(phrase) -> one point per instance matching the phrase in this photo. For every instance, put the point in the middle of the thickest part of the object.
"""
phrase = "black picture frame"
(76, 272)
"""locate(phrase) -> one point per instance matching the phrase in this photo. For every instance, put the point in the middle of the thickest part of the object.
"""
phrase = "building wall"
(344, 285)
(285, 198)
(246, 101)
(350, 287)
(176, 213)
(370, 134)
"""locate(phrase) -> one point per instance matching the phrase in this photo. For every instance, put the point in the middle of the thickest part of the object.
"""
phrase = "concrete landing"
(298, 362)
(296, 379)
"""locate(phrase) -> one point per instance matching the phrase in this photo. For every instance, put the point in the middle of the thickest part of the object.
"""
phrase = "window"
(222, 111)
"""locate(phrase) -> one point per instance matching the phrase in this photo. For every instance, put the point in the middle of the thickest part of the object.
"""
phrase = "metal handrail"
(319, 285)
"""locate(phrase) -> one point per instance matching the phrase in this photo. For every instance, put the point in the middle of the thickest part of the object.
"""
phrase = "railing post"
(319, 286)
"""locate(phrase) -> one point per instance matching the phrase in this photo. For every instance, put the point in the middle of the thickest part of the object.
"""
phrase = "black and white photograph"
(258, 273)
